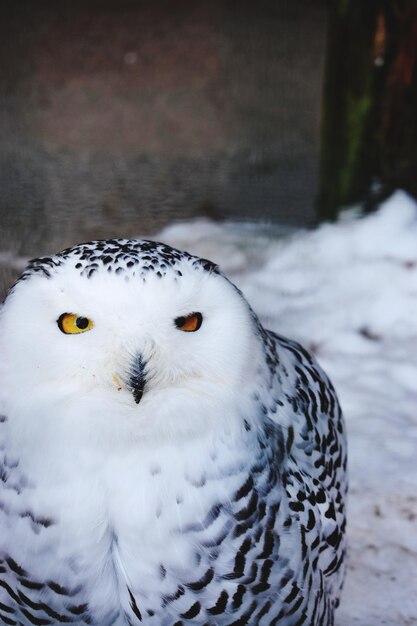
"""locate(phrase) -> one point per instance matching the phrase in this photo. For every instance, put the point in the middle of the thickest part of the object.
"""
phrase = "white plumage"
(163, 458)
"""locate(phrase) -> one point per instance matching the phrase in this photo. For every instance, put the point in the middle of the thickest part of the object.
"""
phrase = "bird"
(164, 459)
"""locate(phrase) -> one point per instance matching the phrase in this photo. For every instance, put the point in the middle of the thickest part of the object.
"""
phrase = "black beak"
(137, 378)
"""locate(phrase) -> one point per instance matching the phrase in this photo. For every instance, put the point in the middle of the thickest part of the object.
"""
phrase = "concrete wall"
(118, 116)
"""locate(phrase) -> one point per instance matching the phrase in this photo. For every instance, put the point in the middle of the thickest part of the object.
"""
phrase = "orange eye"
(190, 323)
(72, 324)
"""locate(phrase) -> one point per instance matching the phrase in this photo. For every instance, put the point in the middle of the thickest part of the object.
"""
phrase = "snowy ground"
(349, 292)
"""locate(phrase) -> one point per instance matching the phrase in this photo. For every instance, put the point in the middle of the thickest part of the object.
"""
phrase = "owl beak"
(137, 379)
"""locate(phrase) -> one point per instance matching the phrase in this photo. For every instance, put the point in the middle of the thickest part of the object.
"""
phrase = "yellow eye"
(189, 323)
(72, 324)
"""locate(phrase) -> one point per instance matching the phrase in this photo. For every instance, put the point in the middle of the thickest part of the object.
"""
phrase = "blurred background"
(118, 117)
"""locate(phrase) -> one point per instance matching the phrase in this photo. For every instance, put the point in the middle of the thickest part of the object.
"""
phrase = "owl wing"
(33, 587)
(304, 400)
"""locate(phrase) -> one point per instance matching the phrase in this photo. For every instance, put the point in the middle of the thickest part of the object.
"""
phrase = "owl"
(164, 459)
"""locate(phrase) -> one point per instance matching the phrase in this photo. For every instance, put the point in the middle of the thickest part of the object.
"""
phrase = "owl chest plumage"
(202, 534)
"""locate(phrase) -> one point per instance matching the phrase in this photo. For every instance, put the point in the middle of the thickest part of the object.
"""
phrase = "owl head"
(130, 337)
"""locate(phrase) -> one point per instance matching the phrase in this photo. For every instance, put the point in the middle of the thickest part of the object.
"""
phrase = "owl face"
(161, 349)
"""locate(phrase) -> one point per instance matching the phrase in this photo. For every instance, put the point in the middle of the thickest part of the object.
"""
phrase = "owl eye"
(72, 324)
(189, 323)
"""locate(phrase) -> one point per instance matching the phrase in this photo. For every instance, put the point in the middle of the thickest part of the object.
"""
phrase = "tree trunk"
(369, 125)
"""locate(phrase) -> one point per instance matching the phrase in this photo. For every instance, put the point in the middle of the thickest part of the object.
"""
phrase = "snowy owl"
(164, 459)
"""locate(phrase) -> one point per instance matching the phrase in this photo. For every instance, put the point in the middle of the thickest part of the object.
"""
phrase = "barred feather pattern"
(283, 527)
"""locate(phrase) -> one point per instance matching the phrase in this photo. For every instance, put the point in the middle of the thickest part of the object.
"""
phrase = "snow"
(348, 292)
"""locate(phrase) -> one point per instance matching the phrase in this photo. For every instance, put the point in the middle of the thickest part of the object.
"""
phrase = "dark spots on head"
(208, 266)
(119, 255)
